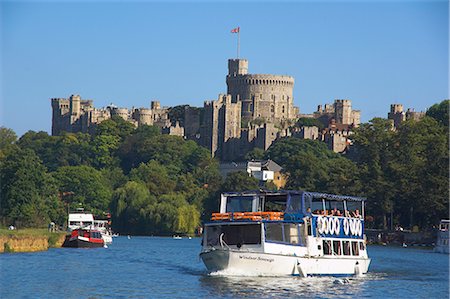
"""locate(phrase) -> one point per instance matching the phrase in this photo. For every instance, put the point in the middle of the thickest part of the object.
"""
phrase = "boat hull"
(78, 243)
(255, 263)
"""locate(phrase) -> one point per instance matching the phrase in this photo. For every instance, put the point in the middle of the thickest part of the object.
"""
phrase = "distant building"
(264, 171)
(340, 111)
(397, 115)
(76, 115)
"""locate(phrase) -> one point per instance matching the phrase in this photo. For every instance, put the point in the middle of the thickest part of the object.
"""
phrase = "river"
(154, 267)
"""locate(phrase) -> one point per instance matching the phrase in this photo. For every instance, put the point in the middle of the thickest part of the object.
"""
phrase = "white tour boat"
(286, 233)
(442, 241)
(81, 219)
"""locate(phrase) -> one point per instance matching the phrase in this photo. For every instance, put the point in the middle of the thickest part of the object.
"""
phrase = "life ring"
(320, 225)
(360, 228)
(346, 226)
(331, 225)
(352, 227)
(337, 226)
(326, 227)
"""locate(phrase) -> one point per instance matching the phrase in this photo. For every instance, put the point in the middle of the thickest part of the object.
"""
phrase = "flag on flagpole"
(235, 30)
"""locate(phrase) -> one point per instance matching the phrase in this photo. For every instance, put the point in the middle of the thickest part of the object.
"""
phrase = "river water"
(152, 267)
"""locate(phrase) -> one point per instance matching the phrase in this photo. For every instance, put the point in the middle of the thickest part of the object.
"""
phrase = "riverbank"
(29, 240)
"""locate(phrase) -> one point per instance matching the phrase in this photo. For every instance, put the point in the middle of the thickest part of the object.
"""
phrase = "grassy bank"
(29, 239)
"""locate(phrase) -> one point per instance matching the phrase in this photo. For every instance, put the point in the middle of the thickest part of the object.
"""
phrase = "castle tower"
(265, 97)
(343, 112)
(237, 67)
(397, 115)
(75, 108)
(155, 105)
(143, 116)
(221, 129)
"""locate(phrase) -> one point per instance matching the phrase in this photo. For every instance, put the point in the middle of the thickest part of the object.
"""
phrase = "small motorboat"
(84, 238)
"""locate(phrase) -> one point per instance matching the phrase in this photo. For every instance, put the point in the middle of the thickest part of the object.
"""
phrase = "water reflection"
(218, 285)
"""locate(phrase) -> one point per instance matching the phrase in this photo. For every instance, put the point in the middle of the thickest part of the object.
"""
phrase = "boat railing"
(252, 216)
(222, 242)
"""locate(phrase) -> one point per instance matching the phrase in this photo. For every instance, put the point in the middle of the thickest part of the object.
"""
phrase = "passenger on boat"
(356, 214)
(336, 212)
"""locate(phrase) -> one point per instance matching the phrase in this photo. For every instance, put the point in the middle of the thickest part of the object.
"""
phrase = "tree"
(309, 122)
(7, 138)
(129, 205)
(115, 126)
(420, 169)
(440, 112)
(69, 149)
(239, 181)
(155, 176)
(89, 187)
(372, 151)
(310, 165)
(28, 194)
(255, 154)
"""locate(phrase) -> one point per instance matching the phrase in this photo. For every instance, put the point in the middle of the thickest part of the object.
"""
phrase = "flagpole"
(239, 35)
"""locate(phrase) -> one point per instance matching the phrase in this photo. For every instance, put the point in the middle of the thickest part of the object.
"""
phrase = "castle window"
(272, 109)
(260, 96)
(282, 109)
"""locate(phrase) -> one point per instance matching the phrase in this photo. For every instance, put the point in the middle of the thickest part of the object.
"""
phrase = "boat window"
(275, 203)
(274, 232)
(233, 234)
(78, 223)
(346, 245)
(294, 204)
(352, 206)
(361, 246)
(291, 233)
(335, 208)
(316, 206)
(337, 248)
(355, 248)
(239, 204)
(286, 233)
(326, 247)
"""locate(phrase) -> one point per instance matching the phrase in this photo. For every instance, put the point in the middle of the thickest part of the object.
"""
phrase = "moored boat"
(442, 241)
(81, 219)
(286, 233)
(84, 238)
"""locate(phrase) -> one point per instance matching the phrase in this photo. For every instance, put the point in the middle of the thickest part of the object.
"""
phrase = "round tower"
(122, 112)
(268, 97)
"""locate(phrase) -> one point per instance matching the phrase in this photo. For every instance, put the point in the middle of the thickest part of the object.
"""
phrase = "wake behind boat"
(286, 233)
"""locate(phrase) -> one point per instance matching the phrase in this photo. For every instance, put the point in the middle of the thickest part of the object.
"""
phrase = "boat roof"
(317, 195)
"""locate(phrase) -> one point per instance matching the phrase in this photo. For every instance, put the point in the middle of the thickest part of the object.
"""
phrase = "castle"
(77, 115)
(397, 115)
(256, 110)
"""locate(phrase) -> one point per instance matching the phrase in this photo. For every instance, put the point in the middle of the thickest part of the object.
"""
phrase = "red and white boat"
(84, 238)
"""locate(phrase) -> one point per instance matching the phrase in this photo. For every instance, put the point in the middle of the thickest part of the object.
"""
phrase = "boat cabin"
(79, 219)
(286, 205)
(289, 218)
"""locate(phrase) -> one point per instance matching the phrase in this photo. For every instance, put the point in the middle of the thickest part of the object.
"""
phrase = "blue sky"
(372, 52)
